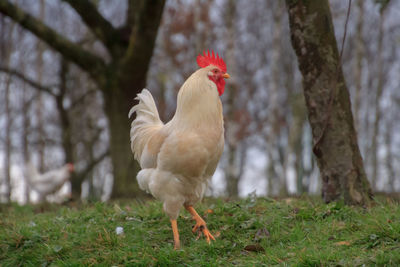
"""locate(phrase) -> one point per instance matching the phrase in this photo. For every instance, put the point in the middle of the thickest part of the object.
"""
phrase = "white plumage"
(179, 158)
(49, 182)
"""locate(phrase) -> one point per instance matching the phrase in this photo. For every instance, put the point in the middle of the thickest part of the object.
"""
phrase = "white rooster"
(179, 158)
(49, 182)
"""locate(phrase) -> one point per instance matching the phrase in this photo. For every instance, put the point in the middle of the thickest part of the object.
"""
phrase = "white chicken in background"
(49, 182)
(179, 158)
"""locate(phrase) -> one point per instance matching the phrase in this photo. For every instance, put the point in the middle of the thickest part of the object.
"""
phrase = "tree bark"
(39, 102)
(25, 138)
(5, 54)
(8, 144)
(391, 174)
(377, 102)
(276, 114)
(124, 167)
(358, 65)
(328, 103)
(231, 170)
(295, 137)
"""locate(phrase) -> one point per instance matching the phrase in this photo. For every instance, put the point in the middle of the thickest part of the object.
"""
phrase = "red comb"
(207, 59)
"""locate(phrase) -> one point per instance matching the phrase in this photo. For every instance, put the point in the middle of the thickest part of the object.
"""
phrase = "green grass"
(294, 232)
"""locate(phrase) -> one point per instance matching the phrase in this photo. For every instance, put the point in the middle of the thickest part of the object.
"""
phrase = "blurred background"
(44, 98)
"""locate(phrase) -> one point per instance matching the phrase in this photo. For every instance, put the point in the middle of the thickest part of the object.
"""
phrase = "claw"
(202, 229)
(200, 226)
(208, 235)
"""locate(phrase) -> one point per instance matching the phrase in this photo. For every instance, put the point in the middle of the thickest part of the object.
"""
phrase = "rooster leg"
(177, 243)
(200, 224)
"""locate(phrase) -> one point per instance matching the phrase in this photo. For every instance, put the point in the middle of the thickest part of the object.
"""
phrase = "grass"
(251, 232)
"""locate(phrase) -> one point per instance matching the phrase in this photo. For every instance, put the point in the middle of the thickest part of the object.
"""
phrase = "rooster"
(49, 182)
(179, 158)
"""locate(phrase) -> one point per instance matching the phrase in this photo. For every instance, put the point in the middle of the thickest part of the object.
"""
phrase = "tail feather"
(147, 122)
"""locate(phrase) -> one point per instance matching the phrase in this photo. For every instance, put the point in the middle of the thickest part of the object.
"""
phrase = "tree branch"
(27, 80)
(82, 174)
(82, 98)
(100, 27)
(142, 35)
(93, 64)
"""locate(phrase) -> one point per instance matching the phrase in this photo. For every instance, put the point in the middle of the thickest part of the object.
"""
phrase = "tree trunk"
(232, 177)
(378, 97)
(391, 174)
(124, 167)
(66, 138)
(328, 103)
(25, 138)
(276, 114)
(358, 65)
(39, 101)
(66, 131)
(8, 145)
(295, 139)
(26, 103)
(120, 79)
(5, 54)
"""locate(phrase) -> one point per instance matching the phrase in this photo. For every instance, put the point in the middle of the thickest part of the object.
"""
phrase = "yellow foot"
(202, 229)
(200, 226)
(177, 243)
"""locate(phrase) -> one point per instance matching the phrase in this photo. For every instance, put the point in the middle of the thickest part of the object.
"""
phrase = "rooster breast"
(191, 157)
(185, 163)
(187, 155)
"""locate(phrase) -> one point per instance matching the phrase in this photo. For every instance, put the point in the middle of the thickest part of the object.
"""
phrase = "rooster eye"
(215, 70)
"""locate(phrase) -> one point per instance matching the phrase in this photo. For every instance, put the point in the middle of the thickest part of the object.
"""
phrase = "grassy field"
(250, 232)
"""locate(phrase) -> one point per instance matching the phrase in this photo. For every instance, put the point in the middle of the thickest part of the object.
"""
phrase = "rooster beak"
(226, 75)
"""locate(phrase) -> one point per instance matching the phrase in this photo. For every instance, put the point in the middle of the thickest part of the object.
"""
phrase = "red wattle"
(220, 86)
(220, 83)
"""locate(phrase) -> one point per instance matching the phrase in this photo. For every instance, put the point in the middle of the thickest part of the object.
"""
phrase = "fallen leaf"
(254, 248)
(342, 243)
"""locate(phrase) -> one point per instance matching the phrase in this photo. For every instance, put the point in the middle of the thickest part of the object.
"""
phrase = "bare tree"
(6, 50)
(328, 103)
(378, 98)
(231, 169)
(41, 146)
(276, 116)
(358, 64)
(119, 78)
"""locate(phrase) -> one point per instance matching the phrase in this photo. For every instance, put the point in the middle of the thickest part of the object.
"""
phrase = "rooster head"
(217, 72)
(70, 167)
